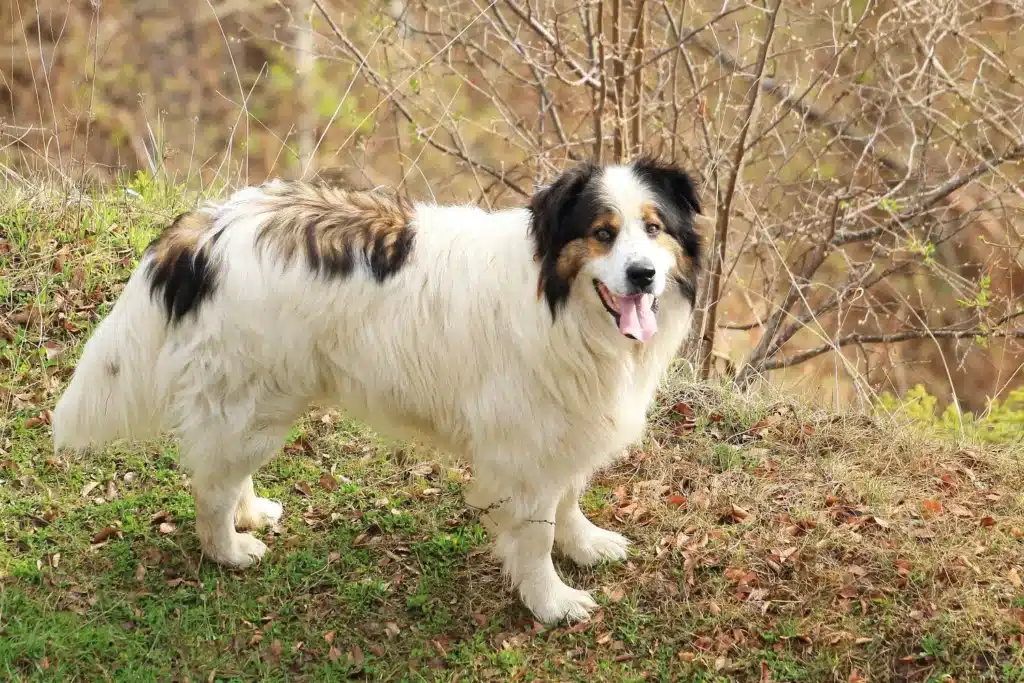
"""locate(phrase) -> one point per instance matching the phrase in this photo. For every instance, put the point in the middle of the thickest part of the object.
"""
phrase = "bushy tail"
(115, 391)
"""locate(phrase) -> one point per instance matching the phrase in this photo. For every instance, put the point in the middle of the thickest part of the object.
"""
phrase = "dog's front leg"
(523, 524)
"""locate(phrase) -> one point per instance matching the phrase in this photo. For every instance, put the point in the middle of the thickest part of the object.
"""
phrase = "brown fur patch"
(180, 273)
(576, 253)
(683, 266)
(180, 237)
(651, 217)
(334, 228)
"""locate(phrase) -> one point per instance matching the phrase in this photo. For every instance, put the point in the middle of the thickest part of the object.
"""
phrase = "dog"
(530, 341)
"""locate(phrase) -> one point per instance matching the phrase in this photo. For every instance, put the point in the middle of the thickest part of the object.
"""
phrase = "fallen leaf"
(55, 560)
(1017, 533)
(988, 521)
(329, 637)
(303, 488)
(162, 516)
(166, 528)
(391, 629)
(431, 492)
(33, 422)
(357, 655)
(140, 572)
(766, 673)
(855, 677)
(931, 507)
(959, 510)
(480, 619)
(333, 654)
(105, 533)
(1014, 578)
(613, 594)
(677, 500)
(683, 410)
(111, 492)
(687, 656)
(275, 649)
(328, 483)
(173, 583)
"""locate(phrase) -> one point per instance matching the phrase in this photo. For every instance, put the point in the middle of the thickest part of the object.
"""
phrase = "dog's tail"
(115, 391)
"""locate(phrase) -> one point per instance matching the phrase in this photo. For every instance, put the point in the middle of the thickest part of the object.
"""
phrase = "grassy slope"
(772, 542)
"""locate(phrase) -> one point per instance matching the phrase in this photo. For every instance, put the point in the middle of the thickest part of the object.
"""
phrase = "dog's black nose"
(640, 274)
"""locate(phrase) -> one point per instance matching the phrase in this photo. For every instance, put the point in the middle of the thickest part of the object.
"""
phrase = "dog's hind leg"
(523, 522)
(581, 540)
(254, 512)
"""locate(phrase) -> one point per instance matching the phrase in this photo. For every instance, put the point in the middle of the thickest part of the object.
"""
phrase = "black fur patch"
(562, 212)
(179, 276)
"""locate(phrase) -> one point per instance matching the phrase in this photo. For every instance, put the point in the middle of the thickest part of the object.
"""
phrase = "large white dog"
(530, 341)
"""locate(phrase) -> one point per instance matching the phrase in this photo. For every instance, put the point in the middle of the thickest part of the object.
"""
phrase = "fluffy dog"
(529, 341)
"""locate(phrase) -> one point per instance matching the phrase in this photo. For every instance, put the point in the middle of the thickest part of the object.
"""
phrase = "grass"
(772, 541)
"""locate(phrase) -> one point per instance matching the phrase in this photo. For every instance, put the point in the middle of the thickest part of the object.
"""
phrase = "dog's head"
(620, 237)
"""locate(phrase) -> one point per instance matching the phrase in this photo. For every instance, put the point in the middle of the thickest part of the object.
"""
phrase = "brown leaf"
(275, 649)
(166, 528)
(111, 492)
(162, 516)
(33, 422)
(766, 673)
(1017, 533)
(687, 656)
(988, 521)
(140, 572)
(303, 488)
(328, 483)
(930, 507)
(329, 637)
(333, 654)
(357, 655)
(715, 417)
(105, 533)
(1014, 578)
(683, 410)
(902, 567)
(959, 510)
(52, 350)
(677, 500)
(613, 594)
(391, 629)
(480, 619)
(9, 465)
(855, 677)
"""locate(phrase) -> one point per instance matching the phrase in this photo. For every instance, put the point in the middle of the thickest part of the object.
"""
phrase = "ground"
(772, 541)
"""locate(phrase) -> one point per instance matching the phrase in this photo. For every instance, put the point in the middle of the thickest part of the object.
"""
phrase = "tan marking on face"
(650, 215)
(682, 265)
(575, 254)
(181, 237)
(333, 227)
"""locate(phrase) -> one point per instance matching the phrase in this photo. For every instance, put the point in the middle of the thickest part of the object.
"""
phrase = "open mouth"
(635, 315)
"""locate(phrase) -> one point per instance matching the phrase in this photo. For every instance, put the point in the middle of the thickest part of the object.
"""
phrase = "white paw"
(556, 601)
(259, 513)
(242, 552)
(595, 545)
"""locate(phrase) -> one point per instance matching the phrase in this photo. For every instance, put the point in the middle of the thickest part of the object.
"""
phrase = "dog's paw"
(556, 602)
(594, 546)
(242, 552)
(260, 512)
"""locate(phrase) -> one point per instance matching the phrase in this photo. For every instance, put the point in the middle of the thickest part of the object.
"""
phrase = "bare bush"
(860, 160)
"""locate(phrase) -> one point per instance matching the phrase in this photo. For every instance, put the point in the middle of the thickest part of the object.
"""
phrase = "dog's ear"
(670, 182)
(552, 207)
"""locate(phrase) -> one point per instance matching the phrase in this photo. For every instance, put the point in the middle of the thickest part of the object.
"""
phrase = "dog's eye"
(603, 235)
(652, 229)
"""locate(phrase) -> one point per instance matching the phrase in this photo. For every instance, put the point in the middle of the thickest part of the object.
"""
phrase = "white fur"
(456, 349)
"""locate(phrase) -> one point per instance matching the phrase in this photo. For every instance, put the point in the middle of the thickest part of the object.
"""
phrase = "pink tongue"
(636, 318)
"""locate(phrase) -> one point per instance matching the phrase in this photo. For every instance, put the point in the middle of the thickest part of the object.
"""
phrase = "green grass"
(772, 541)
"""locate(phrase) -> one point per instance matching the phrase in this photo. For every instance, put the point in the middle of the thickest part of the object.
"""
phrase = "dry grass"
(773, 541)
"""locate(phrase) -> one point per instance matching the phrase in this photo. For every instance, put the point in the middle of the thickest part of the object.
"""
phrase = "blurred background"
(860, 162)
